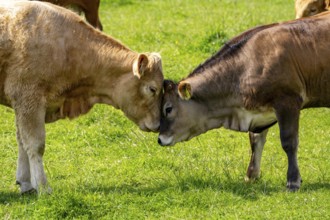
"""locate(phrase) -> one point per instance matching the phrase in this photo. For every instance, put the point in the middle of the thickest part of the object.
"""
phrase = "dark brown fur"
(89, 7)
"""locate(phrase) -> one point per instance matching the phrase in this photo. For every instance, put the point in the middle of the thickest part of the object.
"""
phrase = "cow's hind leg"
(92, 15)
(31, 127)
(93, 18)
(257, 142)
(288, 120)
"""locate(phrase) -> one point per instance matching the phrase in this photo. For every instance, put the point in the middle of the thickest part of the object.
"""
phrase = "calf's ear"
(184, 90)
(140, 65)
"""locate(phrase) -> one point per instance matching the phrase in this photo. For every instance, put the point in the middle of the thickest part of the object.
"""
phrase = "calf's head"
(139, 96)
(306, 8)
(182, 117)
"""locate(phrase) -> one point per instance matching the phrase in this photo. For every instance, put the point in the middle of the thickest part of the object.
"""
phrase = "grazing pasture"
(101, 166)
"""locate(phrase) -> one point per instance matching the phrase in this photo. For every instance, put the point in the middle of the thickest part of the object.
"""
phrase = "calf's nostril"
(159, 141)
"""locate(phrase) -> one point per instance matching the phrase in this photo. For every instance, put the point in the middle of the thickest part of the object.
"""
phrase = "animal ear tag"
(140, 65)
(184, 90)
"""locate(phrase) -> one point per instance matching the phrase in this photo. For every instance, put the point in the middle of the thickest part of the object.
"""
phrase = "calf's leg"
(23, 177)
(257, 142)
(91, 11)
(288, 120)
(93, 18)
(31, 130)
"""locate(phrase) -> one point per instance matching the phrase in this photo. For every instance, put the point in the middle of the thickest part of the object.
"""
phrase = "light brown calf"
(50, 71)
(89, 7)
(306, 8)
(264, 76)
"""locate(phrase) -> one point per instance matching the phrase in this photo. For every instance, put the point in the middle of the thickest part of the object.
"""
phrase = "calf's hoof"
(293, 186)
(251, 179)
(29, 192)
(252, 176)
(26, 188)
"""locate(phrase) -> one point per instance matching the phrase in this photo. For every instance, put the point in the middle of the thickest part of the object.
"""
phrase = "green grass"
(101, 166)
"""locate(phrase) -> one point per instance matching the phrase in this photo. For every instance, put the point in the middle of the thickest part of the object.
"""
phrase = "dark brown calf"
(89, 7)
(264, 76)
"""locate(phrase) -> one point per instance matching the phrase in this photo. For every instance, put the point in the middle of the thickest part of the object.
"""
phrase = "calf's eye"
(313, 10)
(152, 89)
(168, 110)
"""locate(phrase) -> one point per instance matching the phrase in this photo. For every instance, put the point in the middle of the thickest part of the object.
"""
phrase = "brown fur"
(89, 7)
(49, 71)
(263, 76)
(306, 8)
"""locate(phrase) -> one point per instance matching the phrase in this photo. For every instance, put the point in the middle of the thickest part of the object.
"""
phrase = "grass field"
(101, 166)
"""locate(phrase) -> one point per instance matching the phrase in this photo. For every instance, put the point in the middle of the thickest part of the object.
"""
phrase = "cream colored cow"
(54, 66)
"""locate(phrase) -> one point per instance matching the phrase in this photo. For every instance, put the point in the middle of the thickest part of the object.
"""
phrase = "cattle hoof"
(252, 177)
(29, 192)
(26, 188)
(293, 186)
(248, 179)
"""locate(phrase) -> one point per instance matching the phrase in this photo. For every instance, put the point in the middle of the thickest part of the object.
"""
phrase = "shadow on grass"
(249, 191)
(307, 187)
(10, 197)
